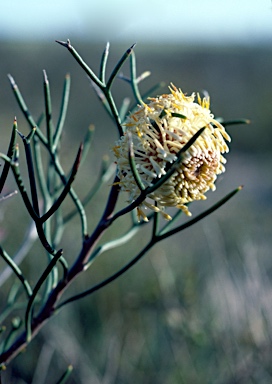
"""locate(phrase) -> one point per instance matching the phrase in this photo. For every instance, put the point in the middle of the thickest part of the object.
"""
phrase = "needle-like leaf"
(10, 153)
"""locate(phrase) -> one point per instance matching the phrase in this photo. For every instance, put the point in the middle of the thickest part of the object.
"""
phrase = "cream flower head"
(159, 130)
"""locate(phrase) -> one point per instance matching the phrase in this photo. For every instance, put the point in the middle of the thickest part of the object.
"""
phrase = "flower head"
(159, 130)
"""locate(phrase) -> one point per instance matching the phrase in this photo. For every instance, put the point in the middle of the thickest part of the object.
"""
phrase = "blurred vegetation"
(197, 309)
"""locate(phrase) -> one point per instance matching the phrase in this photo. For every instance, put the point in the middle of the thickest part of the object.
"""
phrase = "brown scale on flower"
(159, 130)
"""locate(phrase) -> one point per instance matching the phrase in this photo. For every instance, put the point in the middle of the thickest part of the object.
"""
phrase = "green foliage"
(44, 192)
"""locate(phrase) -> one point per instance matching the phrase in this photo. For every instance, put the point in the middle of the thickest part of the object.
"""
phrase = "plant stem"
(49, 308)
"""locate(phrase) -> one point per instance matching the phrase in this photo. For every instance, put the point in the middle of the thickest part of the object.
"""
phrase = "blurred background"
(197, 308)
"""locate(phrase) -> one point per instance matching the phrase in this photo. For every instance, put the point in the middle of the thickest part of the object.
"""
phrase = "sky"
(199, 21)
